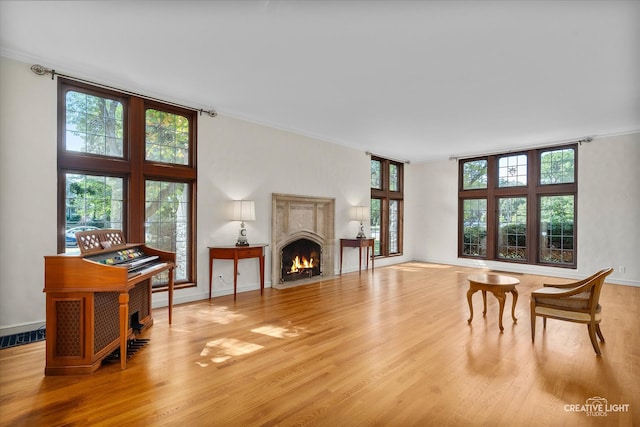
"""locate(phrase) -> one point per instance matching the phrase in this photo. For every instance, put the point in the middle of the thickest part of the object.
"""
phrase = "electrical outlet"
(622, 269)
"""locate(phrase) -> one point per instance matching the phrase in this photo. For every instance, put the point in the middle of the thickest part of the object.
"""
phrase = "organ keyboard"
(98, 299)
(135, 259)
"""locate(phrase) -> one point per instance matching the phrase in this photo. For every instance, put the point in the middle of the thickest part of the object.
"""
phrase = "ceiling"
(410, 80)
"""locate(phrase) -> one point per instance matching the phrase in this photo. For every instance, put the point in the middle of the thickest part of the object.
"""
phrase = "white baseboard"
(530, 269)
(178, 299)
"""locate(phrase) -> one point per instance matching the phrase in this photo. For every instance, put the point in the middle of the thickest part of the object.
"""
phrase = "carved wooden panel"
(97, 240)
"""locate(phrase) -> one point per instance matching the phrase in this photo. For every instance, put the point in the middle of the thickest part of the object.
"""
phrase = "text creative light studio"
(597, 407)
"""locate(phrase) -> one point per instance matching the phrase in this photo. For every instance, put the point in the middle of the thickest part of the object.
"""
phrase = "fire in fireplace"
(300, 260)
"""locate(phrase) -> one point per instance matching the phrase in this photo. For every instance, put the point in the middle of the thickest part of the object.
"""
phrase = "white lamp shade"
(361, 213)
(243, 210)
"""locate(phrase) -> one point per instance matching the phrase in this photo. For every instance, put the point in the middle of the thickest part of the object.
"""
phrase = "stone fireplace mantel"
(296, 217)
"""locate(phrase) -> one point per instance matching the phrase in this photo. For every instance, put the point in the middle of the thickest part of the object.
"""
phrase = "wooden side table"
(358, 243)
(498, 286)
(235, 253)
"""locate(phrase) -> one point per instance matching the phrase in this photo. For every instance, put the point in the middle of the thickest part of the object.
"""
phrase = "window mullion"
(532, 206)
(135, 232)
(83, 163)
(492, 207)
(384, 226)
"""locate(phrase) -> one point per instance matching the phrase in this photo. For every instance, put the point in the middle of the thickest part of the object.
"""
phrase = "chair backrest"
(597, 281)
(586, 280)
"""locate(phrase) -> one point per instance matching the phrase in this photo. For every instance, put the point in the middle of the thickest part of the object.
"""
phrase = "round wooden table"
(496, 284)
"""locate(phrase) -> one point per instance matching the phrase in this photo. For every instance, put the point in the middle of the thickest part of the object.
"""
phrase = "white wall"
(608, 213)
(236, 159)
(27, 191)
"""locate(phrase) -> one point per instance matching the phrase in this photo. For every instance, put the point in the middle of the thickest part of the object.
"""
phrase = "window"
(512, 227)
(557, 166)
(520, 207)
(167, 208)
(475, 174)
(93, 124)
(127, 163)
(556, 229)
(475, 227)
(512, 171)
(167, 137)
(93, 200)
(386, 206)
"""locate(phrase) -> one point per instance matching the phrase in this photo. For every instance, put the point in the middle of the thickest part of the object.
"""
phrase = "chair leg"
(533, 327)
(533, 321)
(599, 332)
(592, 336)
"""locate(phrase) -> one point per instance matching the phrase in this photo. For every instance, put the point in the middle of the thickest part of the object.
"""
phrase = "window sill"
(165, 288)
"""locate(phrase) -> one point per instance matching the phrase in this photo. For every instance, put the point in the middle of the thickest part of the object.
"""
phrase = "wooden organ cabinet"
(97, 301)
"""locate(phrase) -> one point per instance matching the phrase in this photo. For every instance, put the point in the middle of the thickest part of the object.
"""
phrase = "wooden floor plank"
(391, 348)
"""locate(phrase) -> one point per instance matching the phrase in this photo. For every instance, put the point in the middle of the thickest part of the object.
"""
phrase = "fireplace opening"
(300, 260)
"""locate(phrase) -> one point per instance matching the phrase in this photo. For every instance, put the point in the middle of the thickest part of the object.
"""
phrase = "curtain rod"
(42, 70)
(586, 139)
(369, 153)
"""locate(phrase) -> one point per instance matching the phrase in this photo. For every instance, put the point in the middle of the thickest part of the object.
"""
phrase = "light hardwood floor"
(388, 349)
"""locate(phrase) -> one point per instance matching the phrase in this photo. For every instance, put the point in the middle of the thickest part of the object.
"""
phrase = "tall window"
(386, 206)
(127, 163)
(520, 207)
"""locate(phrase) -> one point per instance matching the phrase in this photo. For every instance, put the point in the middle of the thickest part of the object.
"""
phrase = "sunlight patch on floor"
(278, 331)
(416, 266)
(223, 349)
(219, 314)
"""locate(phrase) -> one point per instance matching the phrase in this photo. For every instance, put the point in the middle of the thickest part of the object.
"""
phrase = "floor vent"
(22, 338)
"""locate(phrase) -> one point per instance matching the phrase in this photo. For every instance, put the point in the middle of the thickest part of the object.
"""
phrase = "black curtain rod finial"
(210, 113)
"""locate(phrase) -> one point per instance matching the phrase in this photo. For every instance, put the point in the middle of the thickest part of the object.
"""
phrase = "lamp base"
(242, 236)
(361, 234)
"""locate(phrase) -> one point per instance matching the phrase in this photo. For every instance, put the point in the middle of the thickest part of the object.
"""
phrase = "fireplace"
(300, 259)
(302, 239)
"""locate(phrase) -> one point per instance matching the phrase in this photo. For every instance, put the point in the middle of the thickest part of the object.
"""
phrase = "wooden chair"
(574, 302)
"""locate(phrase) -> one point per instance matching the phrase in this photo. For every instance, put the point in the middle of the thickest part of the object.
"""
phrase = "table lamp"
(361, 213)
(243, 210)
